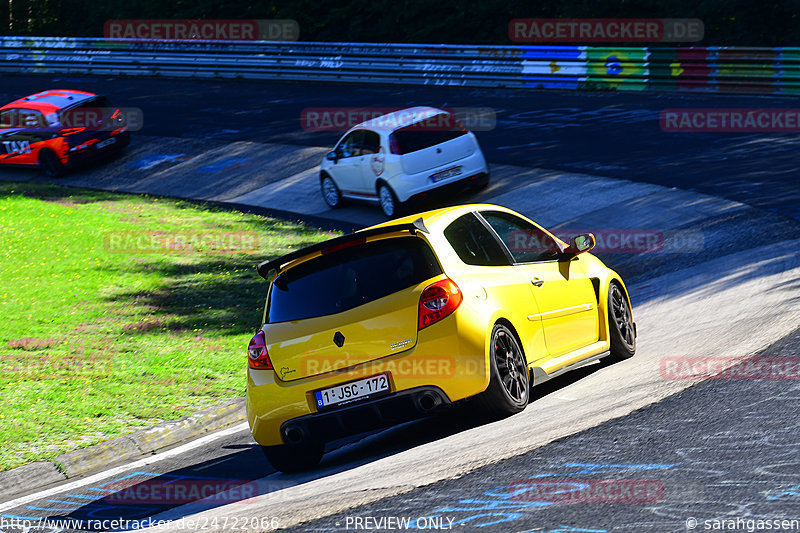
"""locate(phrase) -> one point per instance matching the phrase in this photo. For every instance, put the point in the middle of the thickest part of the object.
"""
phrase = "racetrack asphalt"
(722, 455)
(609, 134)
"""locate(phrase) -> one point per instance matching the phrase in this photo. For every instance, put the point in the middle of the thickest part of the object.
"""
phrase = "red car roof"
(49, 101)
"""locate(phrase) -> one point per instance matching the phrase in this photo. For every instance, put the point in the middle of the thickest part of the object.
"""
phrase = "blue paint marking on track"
(567, 529)
(226, 164)
(793, 492)
(507, 507)
(95, 506)
(151, 161)
(19, 517)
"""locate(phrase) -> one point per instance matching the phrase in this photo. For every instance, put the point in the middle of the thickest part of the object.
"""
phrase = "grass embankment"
(122, 311)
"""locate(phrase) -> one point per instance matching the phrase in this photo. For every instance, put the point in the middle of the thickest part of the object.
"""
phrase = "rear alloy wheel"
(294, 457)
(50, 163)
(389, 204)
(331, 193)
(509, 387)
(620, 325)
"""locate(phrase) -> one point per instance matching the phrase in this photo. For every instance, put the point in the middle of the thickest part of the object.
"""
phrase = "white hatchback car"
(402, 156)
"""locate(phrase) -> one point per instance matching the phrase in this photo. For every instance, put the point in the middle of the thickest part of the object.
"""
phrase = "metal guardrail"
(713, 69)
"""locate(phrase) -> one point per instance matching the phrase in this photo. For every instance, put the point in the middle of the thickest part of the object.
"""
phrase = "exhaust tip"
(293, 435)
(428, 401)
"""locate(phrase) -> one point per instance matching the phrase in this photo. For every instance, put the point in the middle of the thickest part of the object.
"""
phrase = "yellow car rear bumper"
(448, 363)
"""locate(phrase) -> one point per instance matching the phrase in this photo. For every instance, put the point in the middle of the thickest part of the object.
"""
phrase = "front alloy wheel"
(331, 193)
(620, 325)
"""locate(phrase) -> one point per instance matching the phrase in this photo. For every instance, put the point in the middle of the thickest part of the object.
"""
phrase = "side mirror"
(580, 243)
(332, 156)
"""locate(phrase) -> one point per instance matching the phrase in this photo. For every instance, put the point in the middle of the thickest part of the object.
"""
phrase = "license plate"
(355, 390)
(444, 174)
(107, 142)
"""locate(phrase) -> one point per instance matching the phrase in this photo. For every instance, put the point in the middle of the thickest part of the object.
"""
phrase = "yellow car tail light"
(437, 301)
(258, 358)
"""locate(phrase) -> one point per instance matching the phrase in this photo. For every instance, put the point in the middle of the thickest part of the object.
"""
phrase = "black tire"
(294, 458)
(388, 201)
(509, 387)
(330, 192)
(622, 332)
(50, 164)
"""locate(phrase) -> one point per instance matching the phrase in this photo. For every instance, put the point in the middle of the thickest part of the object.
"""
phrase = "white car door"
(374, 160)
(346, 170)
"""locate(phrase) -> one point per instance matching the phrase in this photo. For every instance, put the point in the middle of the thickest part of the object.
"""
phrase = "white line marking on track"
(215, 463)
(202, 441)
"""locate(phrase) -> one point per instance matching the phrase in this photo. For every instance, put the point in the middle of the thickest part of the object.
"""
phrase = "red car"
(56, 129)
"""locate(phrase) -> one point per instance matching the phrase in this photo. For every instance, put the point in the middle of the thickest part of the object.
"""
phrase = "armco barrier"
(714, 69)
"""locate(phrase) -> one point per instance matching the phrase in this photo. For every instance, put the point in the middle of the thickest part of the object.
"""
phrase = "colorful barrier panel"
(712, 69)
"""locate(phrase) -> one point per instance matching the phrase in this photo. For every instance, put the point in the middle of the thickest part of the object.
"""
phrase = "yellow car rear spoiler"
(268, 267)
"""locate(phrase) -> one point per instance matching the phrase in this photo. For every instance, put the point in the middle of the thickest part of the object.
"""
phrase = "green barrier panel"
(616, 68)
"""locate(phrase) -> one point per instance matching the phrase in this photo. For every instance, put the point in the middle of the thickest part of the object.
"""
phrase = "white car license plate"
(444, 174)
(355, 390)
(107, 142)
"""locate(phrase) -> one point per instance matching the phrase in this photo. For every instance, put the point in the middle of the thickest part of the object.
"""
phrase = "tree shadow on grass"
(225, 295)
(40, 189)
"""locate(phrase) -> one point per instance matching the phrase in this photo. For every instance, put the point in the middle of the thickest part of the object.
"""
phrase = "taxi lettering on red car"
(56, 129)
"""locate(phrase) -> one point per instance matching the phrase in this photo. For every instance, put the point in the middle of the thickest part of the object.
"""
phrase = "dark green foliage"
(727, 22)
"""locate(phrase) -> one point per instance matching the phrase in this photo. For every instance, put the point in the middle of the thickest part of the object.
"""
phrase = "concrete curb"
(120, 449)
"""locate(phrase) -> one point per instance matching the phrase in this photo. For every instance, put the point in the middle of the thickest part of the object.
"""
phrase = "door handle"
(537, 282)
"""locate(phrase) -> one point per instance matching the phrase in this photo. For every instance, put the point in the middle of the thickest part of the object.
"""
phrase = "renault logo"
(338, 339)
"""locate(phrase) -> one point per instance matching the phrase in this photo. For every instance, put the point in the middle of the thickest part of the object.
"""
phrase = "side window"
(474, 244)
(91, 114)
(8, 118)
(351, 145)
(526, 242)
(372, 141)
(22, 118)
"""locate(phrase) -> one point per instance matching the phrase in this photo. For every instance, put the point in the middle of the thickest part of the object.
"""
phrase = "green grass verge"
(121, 311)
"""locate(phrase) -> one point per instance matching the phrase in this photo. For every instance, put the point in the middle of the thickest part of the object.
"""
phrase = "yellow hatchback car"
(395, 321)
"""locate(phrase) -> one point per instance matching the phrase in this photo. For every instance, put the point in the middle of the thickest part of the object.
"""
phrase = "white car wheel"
(388, 201)
(330, 193)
